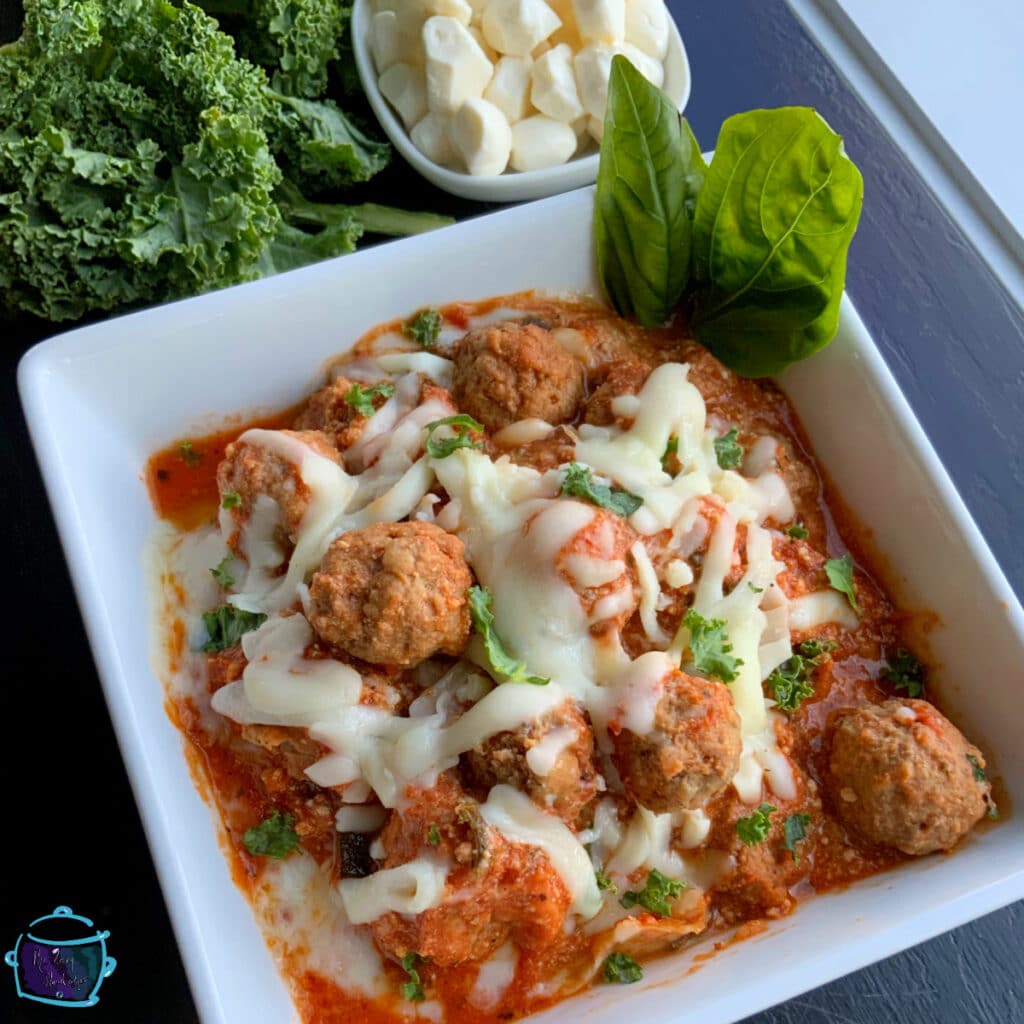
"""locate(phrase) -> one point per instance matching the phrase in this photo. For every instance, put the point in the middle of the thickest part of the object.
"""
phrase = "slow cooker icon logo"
(61, 960)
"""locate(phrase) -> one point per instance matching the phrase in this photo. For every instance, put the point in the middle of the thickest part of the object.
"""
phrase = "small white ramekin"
(512, 186)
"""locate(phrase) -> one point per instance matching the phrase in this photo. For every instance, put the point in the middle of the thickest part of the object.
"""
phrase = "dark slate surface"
(955, 342)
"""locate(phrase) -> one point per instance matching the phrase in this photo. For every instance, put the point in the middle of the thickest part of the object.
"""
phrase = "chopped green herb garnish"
(433, 836)
(794, 830)
(815, 648)
(578, 483)
(993, 811)
(710, 647)
(790, 683)
(230, 499)
(272, 837)
(728, 451)
(671, 452)
(980, 774)
(905, 672)
(756, 590)
(361, 399)
(755, 829)
(412, 989)
(604, 883)
(501, 661)
(840, 577)
(655, 894)
(189, 455)
(797, 531)
(221, 574)
(227, 625)
(463, 426)
(621, 969)
(424, 327)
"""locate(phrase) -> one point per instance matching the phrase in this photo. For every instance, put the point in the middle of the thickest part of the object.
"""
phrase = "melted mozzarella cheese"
(650, 589)
(819, 608)
(407, 889)
(520, 820)
(494, 977)
(330, 491)
(647, 842)
(543, 756)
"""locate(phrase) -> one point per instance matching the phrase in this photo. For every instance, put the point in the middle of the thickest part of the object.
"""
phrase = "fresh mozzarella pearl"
(457, 69)
(647, 27)
(430, 137)
(515, 27)
(540, 142)
(393, 41)
(482, 136)
(509, 88)
(601, 21)
(554, 85)
(403, 86)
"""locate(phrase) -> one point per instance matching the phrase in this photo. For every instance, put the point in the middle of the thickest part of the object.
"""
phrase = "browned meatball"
(560, 774)
(622, 377)
(495, 890)
(250, 470)
(902, 775)
(514, 371)
(393, 594)
(690, 754)
(330, 412)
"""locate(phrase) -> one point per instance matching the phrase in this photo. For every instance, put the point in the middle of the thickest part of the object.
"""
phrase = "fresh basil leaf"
(693, 167)
(710, 647)
(755, 829)
(501, 661)
(463, 426)
(840, 577)
(227, 625)
(772, 228)
(728, 451)
(641, 227)
(794, 830)
(272, 837)
(621, 969)
(578, 483)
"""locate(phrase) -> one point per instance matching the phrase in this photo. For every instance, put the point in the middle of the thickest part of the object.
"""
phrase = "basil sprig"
(755, 245)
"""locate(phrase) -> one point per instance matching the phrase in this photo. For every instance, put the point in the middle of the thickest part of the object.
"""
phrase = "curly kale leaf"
(133, 162)
(294, 40)
(318, 147)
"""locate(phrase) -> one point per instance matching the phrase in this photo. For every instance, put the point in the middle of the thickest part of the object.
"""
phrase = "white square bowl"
(99, 400)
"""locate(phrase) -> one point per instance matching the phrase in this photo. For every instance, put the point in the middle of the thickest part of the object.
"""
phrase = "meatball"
(249, 470)
(691, 752)
(393, 594)
(495, 890)
(514, 371)
(551, 760)
(622, 377)
(900, 774)
(329, 411)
